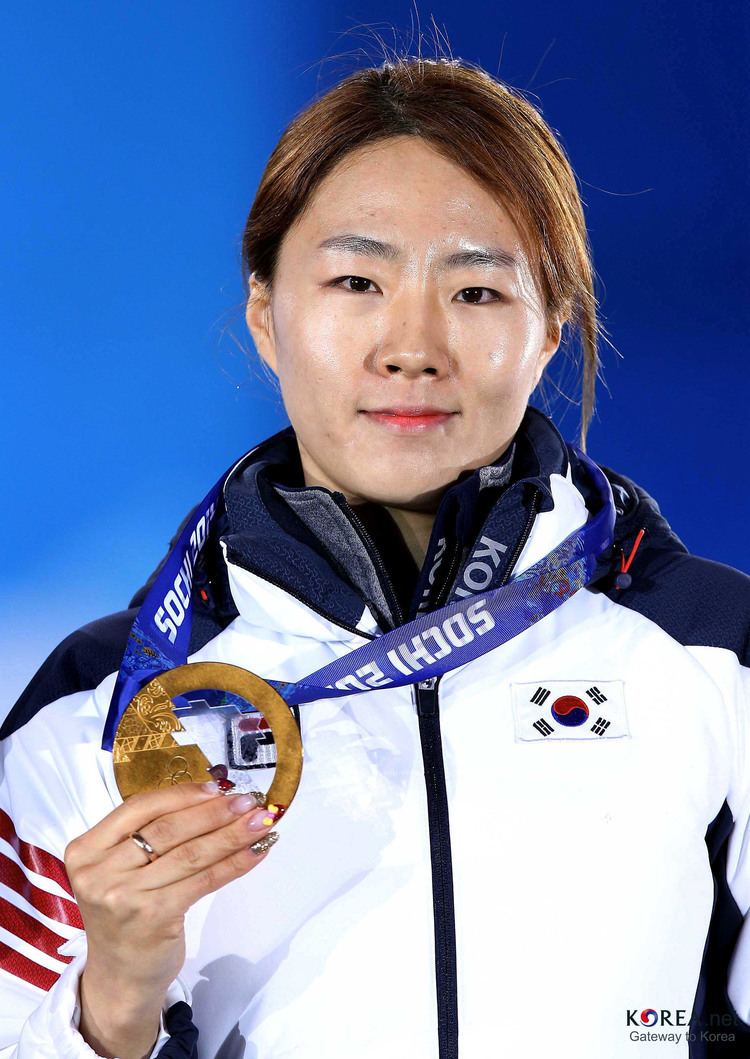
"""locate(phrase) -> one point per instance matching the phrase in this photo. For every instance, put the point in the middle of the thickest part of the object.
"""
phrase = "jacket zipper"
(460, 554)
(426, 698)
(374, 555)
(428, 714)
(522, 539)
(445, 587)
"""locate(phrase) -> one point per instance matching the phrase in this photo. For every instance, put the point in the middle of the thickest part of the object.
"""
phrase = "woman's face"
(403, 286)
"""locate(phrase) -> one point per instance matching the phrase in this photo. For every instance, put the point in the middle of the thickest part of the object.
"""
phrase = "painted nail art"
(263, 818)
(265, 843)
(219, 786)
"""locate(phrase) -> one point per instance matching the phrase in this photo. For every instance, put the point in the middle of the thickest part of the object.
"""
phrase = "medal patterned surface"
(159, 742)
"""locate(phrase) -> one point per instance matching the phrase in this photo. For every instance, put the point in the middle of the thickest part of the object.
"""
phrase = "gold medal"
(158, 744)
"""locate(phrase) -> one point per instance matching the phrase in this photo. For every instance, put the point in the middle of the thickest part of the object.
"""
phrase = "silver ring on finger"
(145, 845)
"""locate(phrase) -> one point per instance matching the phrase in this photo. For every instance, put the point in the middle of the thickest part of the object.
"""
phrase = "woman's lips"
(409, 424)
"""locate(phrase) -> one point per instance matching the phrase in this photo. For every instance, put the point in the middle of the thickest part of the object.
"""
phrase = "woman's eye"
(475, 295)
(360, 283)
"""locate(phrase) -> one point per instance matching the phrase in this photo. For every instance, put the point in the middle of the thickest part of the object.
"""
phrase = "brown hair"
(476, 121)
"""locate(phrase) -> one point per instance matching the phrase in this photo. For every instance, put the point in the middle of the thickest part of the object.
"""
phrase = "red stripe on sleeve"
(59, 908)
(31, 931)
(20, 966)
(36, 859)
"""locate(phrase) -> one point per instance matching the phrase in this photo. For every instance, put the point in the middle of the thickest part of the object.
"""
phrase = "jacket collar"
(305, 541)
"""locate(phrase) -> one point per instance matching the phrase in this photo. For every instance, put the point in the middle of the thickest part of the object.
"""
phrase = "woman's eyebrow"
(475, 256)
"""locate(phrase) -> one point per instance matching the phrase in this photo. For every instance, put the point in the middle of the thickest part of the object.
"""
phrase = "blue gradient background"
(134, 141)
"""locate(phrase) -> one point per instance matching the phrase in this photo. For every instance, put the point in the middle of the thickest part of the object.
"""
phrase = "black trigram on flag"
(542, 727)
(540, 696)
(596, 695)
(600, 726)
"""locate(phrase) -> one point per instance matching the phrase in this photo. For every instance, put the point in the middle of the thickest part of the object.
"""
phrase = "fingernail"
(241, 803)
(265, 843)
(218, 786)
(263, 818)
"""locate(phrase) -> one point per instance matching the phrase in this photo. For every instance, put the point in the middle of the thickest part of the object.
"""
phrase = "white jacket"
(460, 874)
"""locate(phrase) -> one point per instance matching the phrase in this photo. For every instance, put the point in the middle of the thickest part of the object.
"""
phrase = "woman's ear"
(260, 321)
(548, 350)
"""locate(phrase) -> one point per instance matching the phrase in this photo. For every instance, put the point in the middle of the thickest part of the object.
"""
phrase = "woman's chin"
(417, 494)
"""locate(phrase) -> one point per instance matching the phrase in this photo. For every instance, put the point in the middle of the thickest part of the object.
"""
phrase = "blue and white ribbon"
(428, 646)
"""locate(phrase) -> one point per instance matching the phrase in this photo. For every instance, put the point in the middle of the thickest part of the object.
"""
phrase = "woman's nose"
(415, 339)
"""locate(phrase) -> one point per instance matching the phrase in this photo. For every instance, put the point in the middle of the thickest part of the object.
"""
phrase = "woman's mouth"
(408, 420)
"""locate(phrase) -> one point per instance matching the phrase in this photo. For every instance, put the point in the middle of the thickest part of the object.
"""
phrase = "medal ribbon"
(430, 645)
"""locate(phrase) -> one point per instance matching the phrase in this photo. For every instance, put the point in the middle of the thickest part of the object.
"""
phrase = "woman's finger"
(202, 853)
(173, 829)
(139, 810)
(184, 894)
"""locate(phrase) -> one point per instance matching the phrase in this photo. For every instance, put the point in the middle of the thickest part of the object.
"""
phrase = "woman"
(444, 884)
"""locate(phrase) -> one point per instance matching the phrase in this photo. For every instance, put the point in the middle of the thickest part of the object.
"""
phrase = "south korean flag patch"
(569, 709)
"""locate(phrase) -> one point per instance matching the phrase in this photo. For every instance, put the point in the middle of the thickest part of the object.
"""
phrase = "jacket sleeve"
(53, 788)
(738, 855)
(724, 992)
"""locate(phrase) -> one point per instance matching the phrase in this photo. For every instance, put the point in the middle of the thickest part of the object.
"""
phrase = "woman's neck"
(415, 528)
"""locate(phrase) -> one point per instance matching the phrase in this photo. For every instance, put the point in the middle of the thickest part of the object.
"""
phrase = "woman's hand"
(133, 910)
